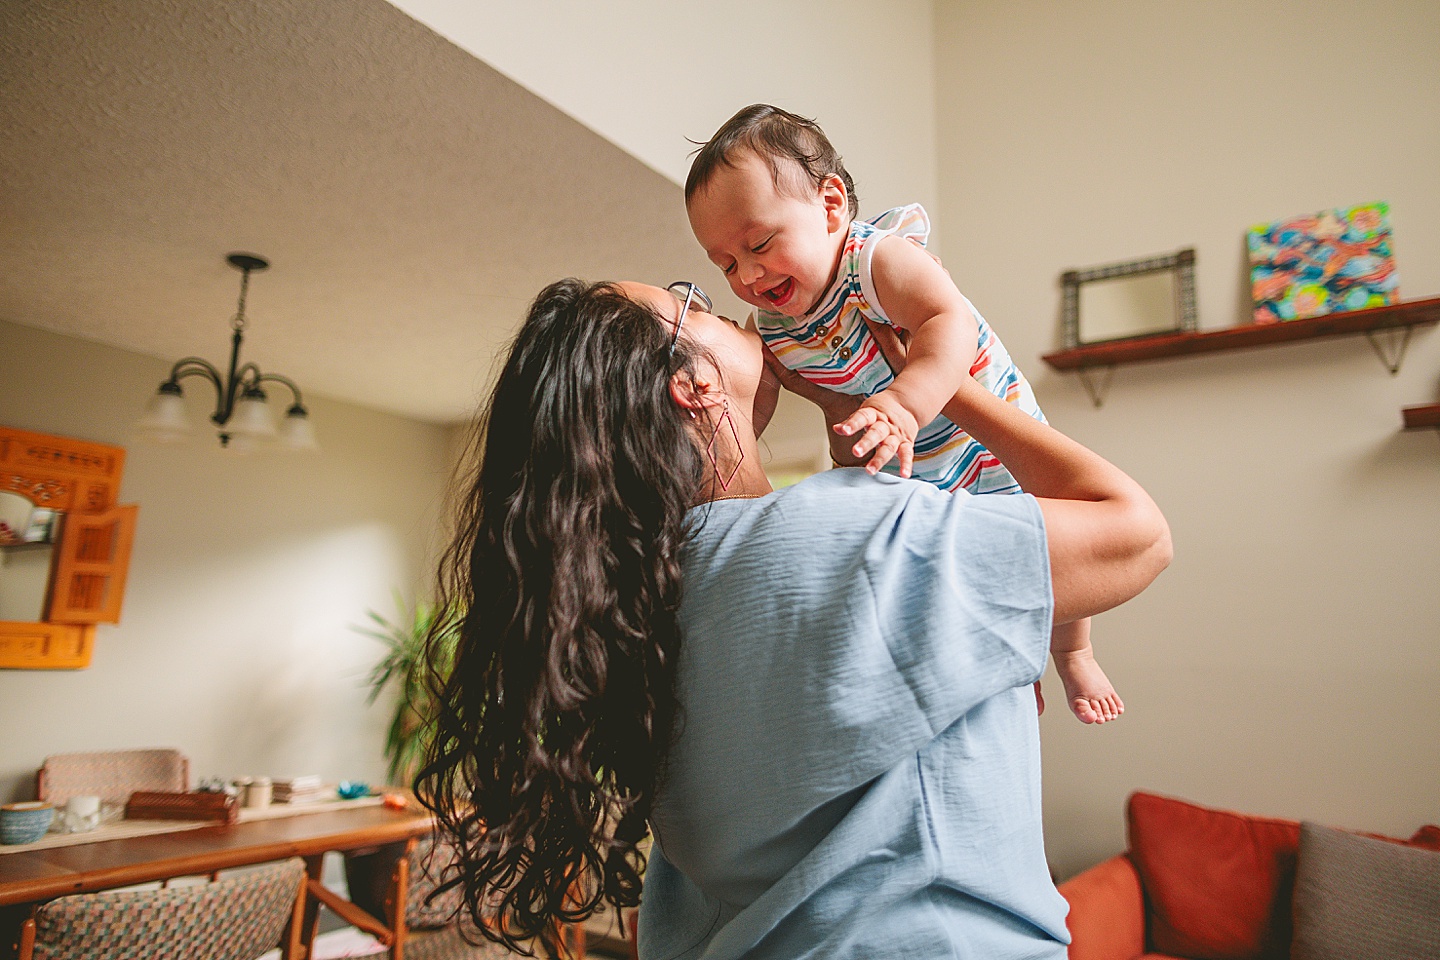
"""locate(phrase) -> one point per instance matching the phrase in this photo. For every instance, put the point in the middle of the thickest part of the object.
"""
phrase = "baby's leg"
(1088, 691)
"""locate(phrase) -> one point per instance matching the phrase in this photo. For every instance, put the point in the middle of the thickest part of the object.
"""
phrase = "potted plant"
(406, 666)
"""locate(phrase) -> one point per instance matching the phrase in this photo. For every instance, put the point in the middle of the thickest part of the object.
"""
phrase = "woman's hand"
(894, 348)
(839, 407)
(835, 406)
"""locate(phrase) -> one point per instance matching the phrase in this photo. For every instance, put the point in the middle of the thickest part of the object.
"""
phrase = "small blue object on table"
(352, 789)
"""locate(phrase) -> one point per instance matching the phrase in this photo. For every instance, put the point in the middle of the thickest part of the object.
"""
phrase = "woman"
(817, 699)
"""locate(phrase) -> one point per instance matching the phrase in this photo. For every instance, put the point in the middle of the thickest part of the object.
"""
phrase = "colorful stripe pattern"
(832, 347)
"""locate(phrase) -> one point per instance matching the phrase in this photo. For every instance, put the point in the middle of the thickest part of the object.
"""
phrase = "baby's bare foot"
(1088, 691)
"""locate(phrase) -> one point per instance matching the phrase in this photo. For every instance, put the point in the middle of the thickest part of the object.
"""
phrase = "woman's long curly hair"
(559, 706)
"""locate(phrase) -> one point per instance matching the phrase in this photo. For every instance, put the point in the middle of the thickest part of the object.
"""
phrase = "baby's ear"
(836, 202)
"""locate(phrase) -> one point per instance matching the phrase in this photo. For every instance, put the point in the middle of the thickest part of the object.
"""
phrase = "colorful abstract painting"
(1326, 263)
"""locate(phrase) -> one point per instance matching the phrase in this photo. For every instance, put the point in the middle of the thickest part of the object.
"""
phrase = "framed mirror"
(27, 550)
(64, 547)
(1136, 298)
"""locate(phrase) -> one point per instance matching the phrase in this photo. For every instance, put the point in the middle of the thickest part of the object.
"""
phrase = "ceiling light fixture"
(241, 412)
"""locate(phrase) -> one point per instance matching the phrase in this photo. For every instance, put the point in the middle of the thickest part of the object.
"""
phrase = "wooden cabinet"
(90, 538)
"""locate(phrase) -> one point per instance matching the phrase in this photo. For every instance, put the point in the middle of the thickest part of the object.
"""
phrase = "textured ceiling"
(411, 199)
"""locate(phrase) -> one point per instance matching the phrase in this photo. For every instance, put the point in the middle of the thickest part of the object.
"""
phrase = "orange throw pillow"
(1217, 884)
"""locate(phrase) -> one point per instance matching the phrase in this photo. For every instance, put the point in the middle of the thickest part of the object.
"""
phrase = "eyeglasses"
(687, 293)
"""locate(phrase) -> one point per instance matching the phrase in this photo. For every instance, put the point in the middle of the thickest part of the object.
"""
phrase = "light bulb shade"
(251, 417)
(165, 420)
(240, 446)
(297, 432)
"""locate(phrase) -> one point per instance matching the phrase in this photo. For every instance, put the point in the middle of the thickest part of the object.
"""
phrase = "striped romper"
(832, 347)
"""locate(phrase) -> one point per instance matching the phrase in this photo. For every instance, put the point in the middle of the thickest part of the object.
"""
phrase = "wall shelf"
(1399, 319)
(1418, 418)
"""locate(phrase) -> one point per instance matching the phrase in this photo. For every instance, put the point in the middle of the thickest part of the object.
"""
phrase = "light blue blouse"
(857, 769)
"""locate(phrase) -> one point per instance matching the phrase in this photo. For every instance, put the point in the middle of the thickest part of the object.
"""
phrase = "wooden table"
(33, 877)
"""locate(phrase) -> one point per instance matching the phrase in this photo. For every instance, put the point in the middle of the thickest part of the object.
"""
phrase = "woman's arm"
(834, 407)
(1107, 538)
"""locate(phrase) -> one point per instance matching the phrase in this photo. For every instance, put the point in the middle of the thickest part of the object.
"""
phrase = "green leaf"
(405, 668)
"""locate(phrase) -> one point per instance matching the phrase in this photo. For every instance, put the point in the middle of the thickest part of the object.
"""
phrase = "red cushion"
(1217, 884)
(1107, 911)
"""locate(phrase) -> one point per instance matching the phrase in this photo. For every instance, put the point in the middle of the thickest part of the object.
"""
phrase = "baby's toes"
(1085, 709)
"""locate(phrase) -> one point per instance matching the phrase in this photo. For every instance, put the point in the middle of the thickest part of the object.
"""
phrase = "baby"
(774, 208)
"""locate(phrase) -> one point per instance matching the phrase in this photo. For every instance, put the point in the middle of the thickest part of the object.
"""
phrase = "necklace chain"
(739, 496)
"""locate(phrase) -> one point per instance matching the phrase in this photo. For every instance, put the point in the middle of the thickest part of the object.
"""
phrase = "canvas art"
(1329, 262)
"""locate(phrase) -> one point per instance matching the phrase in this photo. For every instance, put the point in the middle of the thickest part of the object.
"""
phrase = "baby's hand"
(886, 427)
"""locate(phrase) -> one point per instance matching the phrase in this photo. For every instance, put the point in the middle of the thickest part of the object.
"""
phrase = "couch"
(1205, 884)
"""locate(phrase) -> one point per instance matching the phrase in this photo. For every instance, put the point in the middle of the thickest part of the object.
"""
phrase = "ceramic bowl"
(25, 822)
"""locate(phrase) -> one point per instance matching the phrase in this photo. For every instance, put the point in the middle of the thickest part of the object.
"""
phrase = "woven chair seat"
(429, 863)
(434, 927)
(368, 876)
(112, 775)
(447, 943)
(238, 917)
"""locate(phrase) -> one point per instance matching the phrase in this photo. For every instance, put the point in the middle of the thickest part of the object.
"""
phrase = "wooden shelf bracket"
(1389, 346)
(1096, 381)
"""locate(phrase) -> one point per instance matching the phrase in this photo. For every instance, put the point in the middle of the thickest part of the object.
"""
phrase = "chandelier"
(241, 412)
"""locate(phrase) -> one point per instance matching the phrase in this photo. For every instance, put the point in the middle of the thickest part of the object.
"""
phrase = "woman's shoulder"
(844, 491)
(827, 505)
(850, 503)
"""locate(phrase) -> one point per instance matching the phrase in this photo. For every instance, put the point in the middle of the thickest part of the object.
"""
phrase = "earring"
(725, 417)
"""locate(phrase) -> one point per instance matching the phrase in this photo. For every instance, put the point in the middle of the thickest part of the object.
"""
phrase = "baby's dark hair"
(773, 135)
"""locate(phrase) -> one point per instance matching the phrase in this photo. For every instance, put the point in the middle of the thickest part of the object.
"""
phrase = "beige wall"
(646, 74)
(247, 573)
(1288, 662)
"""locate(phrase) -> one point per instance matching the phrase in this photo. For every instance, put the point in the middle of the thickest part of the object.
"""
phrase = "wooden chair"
(433, 930)
(111, 775)
(238, 917)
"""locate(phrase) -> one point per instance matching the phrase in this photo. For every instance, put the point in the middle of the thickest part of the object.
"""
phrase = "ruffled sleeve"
(910, 222)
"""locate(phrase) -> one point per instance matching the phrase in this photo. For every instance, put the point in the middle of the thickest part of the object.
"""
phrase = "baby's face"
(778, 248)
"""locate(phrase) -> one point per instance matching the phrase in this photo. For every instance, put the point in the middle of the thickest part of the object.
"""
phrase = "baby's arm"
(918, 296)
